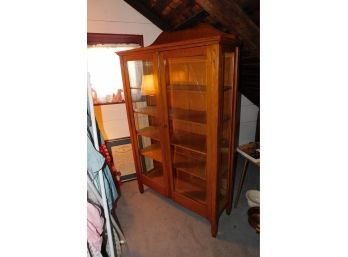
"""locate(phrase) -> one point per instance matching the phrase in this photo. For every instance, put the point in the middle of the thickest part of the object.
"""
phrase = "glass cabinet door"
(226, 130)
(186, 82)
(145, 98)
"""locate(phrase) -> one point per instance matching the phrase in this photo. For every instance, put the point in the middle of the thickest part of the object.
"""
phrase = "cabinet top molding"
(201, 34)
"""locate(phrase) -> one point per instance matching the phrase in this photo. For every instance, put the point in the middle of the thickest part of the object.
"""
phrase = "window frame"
(102, 38)
(105, 38)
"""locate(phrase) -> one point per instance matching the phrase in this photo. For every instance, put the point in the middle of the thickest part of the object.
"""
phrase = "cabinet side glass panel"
(186, 83)
(225, 134)
(144, 95)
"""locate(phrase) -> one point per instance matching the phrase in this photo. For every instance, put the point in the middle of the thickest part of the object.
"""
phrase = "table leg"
(242, 178)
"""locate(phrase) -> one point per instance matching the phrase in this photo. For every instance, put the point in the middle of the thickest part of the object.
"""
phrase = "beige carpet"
(155, 226)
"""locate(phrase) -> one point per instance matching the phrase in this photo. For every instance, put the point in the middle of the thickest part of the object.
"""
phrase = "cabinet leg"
(242, 178)
(140, 186)
(229, 208)
(214, 229)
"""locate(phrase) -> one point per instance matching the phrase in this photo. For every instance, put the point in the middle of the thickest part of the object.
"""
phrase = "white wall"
(112, 120)
(117, 17)
(248, 120)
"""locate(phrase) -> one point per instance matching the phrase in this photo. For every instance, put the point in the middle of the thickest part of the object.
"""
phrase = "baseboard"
(128, 177)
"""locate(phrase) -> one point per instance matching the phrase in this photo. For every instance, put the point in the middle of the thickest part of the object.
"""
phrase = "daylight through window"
(105, 72)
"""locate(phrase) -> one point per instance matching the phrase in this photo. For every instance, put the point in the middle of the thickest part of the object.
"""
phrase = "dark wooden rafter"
(180, 9)
(248, 4)
(161, 5)
(141, 7)
(195, 19)
(251, 8)
(229, 14)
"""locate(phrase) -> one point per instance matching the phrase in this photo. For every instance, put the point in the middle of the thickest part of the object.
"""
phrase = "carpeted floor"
(155, 226)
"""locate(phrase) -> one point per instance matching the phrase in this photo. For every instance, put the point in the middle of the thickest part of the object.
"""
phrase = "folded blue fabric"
(96, 162)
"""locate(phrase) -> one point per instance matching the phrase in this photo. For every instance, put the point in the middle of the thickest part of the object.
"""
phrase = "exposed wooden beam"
(141, 7)
(196, 18)
(161, 5)
(177, 11)
(254, 4)
(229, 14)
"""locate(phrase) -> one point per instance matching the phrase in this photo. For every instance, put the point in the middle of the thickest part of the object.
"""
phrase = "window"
(103, 65)
(105, 73)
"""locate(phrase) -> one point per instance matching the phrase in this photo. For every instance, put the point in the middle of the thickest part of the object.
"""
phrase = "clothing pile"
(97, 243)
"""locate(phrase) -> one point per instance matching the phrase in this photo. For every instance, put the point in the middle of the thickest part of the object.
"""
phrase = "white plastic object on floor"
(253, 197)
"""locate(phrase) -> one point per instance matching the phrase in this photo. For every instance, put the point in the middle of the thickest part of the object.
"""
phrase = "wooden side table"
(251, 153)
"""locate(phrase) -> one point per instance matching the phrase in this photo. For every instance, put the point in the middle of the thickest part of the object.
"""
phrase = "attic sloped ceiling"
(239, 17)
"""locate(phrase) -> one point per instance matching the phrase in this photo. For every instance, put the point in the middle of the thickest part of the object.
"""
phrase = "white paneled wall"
(112, 120)
(117, 17)
(248, 120)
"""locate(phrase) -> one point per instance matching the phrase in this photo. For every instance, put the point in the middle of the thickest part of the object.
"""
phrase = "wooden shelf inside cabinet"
(224, 148)
(191, 166)
(188, 115)
(152, 132)
(226, 88)
(187, 87)
(225, 118)
(224, 142)
(149, 110)
(153, 151)
(191, 187)
(189, 141)
(156, 174)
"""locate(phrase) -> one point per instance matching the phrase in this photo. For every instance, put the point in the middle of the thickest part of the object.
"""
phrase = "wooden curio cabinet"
(181, 97)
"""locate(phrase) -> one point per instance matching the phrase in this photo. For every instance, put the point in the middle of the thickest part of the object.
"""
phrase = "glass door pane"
(186, 99)
(225, 135)
(144, 96)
